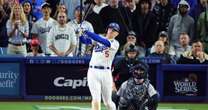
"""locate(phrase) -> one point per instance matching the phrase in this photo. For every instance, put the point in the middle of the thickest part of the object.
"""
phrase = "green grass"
(34, 105)
(191, 106)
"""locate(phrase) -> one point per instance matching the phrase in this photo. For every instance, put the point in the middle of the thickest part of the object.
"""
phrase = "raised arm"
(98, 38)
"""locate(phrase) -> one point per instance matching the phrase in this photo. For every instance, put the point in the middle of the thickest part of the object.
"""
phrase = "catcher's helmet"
(114, 26)
(131, 48)
(139, 71)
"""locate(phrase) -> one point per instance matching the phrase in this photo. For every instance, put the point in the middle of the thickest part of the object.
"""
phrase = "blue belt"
(99, 67)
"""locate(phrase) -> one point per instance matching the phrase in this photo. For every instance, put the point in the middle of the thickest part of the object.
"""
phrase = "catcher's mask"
(140, 71)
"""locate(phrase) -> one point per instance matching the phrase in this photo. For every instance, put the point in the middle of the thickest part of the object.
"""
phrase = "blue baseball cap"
(114, 26)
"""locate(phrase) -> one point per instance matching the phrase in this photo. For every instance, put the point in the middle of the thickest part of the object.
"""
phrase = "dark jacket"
(3, 32)
(188, 58)
(109, 15)
(145, 27)
(121, 71)
(163, 15)
(96, 22)
(184, 60)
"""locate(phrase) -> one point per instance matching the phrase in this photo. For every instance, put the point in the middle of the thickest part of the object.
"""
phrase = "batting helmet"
(140, 70)
(114, 26)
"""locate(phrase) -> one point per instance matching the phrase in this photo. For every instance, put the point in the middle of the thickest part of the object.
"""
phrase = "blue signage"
(9, 79)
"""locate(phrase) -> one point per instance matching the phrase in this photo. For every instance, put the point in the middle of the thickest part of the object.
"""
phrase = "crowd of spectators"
(175, 30)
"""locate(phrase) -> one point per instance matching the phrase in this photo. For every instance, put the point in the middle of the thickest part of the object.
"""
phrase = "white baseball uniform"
(62, 38)
(99, 74)
(42, 29)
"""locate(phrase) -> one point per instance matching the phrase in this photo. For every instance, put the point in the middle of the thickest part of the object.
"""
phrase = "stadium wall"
(64, 79)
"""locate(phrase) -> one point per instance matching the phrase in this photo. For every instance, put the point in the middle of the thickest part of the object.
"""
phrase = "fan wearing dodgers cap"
(42, 27)
(99, 74)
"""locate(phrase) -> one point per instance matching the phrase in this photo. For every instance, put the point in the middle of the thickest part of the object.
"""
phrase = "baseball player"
(62, 40)
(137, 93)
(99, 74)
(121, 69)
(42, 27)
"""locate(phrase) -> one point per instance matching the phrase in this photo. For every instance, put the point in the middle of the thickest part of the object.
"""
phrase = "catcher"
(137, 93)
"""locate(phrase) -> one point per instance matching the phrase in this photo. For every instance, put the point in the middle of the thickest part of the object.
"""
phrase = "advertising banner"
(57, 82)
(9, 79)
(185, 83)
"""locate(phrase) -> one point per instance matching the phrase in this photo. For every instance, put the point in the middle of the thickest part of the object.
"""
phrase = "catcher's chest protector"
(136, 91)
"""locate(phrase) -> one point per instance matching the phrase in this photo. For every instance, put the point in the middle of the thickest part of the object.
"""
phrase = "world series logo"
(186, 86)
